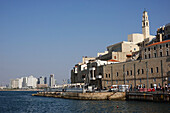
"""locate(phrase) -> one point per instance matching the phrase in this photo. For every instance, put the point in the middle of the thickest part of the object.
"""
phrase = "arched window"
(146, 23)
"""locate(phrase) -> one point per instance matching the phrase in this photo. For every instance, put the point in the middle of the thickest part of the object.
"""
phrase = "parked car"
(114, 88)
(151, 89)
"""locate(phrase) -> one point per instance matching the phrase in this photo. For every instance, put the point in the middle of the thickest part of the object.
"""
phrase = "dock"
(84, 96)
(148, 96)
(128, 96)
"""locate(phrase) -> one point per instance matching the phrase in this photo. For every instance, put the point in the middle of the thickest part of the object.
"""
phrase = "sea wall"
(84, 96)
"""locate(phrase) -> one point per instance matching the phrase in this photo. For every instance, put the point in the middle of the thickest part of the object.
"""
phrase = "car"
(151, 89)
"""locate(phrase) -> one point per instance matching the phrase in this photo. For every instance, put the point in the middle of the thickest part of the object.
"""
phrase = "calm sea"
(23, 102)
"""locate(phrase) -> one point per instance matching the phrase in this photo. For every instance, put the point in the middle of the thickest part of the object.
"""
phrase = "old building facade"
(143, 61)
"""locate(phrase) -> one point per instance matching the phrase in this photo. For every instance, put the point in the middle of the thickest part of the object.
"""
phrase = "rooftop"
(158, 43)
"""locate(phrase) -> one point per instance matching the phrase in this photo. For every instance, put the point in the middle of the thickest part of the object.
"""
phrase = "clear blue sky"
(42, 37)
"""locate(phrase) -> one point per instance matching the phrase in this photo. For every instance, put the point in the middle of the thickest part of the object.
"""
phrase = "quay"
(84, 96)
(148, 96)
(128, 96)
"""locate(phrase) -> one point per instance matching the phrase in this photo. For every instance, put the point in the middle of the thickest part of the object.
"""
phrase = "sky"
(42, 37)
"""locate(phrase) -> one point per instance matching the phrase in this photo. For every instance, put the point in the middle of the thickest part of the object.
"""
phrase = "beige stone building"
(143, 61)
(144, 73)
(120, 51)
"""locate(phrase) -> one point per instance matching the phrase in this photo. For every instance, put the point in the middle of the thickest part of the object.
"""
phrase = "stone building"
(120, 51)
(144, 73)
(143, 61)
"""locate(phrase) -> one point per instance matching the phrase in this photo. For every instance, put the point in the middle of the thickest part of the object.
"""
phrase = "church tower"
(145, 25)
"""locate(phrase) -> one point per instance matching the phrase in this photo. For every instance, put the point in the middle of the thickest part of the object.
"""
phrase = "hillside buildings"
(143, 61)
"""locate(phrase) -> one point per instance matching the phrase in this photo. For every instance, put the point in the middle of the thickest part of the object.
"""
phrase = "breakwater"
(84, 96)
(141, 96)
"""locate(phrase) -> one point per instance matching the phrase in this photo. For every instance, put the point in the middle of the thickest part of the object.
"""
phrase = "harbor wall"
(84, 96)
(141, 96)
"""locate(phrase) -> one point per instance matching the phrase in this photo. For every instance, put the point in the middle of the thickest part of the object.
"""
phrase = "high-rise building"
(41, 80)
(32, 82)
(20, 80)
(45, 80)
(51, 80)
(24, 83)
(16, 83)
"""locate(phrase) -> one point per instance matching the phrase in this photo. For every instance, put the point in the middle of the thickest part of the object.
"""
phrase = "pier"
(128, 96)
(84, 96)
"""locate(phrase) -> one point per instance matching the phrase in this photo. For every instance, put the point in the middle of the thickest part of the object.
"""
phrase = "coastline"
(84, 96)
(140, 96)
(21, 89)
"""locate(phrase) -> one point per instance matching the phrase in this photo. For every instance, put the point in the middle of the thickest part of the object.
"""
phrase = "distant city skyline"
(40, 38)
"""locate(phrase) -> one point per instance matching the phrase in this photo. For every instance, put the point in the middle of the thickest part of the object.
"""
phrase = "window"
(109, 75)
(127, 72)
(117, 74)
(167, 52)
(157, 69)
(130, 72)
(148, 49)
(106, 75)
(149, 55)
(154, 79)
(160, 46)
(146, 23)
(145, 56)
(106, 82)
(142, 71)
(116, 81)
(140, 80)
(127, 81)
(134, 49)
(151, 70)
(138, 71)
(154, 48)
(155, 55)
(161, 54)
(114, 57)
(166, 45)
(145, 50)
(91, 74)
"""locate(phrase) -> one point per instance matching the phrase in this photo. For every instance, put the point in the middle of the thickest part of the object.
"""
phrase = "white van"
(123, 88)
